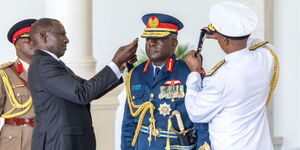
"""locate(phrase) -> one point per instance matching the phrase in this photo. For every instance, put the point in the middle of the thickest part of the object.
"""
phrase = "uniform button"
(133, 97)
(10, 137)
(151, 95)
(18, 94)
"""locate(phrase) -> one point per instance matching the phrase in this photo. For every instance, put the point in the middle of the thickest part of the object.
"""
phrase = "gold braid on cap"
(276, 68)
(141, 110)
(211, 28)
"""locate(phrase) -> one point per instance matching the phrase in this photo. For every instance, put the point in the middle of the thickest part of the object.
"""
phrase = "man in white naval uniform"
(232, 98)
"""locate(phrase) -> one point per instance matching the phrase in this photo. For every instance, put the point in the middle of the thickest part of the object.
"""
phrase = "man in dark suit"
(62, 99)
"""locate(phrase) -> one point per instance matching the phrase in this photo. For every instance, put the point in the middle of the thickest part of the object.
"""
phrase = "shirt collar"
(25, 64)
(156, 67)
(235, 54)
(53, 55)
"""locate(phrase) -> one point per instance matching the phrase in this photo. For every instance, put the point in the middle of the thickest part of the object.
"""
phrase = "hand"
(124, 65)
(210, 36)
(125, 54)
(194, 63)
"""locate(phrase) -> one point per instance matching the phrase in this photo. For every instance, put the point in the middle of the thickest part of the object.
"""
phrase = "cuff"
(115, 69)
(194, 81)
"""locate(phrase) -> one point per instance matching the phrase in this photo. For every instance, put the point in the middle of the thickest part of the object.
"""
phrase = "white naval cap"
(233, 19)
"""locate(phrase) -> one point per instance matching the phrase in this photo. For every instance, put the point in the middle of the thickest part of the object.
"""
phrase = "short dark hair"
(41, 24)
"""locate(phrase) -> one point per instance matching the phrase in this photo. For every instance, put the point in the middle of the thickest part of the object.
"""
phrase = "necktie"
(156, 72)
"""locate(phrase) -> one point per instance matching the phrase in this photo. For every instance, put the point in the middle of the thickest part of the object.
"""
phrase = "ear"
(43, 36)
(225, 40)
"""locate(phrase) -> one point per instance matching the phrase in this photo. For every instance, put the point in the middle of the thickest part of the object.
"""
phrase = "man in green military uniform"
(16, 109)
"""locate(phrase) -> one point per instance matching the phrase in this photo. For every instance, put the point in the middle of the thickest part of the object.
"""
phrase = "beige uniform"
(14, 137)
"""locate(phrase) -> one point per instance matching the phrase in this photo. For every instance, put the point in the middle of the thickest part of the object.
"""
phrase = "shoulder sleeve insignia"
(2, 66)
(260, 44)
(215, 68)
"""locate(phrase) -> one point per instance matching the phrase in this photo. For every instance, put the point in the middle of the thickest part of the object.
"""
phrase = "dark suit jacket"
(62, 104)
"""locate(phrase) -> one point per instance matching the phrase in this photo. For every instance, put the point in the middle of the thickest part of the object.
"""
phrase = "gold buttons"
(133, 97)
(18, 94)
(10, 137)
(151, 95)
(155, 132)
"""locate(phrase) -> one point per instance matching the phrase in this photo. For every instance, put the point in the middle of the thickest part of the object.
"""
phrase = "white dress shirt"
(233, 100)
(111, 64)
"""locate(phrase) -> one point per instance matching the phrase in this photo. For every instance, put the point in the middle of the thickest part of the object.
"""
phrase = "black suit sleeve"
(58, 81)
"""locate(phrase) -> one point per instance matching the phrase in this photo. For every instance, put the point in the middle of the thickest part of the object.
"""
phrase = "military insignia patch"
(173, 89)
(164, 109)
(173, 82)
(153, 22)
(136, 87)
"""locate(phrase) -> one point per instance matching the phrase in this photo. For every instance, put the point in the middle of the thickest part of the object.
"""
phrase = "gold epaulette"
(260, 44)
(275, 74)
(276, 68)
(215, 68)
(2, 66)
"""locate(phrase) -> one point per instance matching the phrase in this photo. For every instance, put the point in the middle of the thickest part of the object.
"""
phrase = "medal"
(164, 109)
(162, 93)
(181, 91)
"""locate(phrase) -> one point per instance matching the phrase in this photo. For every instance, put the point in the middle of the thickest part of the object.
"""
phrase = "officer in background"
(155, 116)
(15, 100)
(233, 97)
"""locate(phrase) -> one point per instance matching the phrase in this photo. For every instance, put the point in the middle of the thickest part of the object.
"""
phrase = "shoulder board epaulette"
(2, 66)
(215, 68)
(260, 44)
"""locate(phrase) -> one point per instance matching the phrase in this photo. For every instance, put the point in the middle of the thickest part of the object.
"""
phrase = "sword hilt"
(176, 113)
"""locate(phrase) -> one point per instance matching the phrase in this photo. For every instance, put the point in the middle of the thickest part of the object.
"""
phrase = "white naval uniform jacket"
(233, 101)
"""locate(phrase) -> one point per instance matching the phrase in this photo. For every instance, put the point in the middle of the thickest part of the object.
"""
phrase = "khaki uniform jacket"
(15, 137)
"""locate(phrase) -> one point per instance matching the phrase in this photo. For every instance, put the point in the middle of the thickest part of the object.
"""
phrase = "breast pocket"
(138, 96)
(21, 93)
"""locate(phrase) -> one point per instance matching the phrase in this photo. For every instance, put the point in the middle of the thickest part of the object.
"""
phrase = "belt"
(161, 133)
(20, 122)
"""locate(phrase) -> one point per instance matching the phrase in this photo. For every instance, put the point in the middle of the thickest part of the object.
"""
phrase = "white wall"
(11, 12)
(117, 22)
(287, 95)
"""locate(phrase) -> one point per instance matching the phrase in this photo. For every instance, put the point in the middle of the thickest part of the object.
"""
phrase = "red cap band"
(18, 33)
(165, 25)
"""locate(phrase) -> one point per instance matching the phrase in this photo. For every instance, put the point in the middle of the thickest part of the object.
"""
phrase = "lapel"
(22, 75)
(60, 63)
(162, 75)
(41, 53)
(148, 76)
